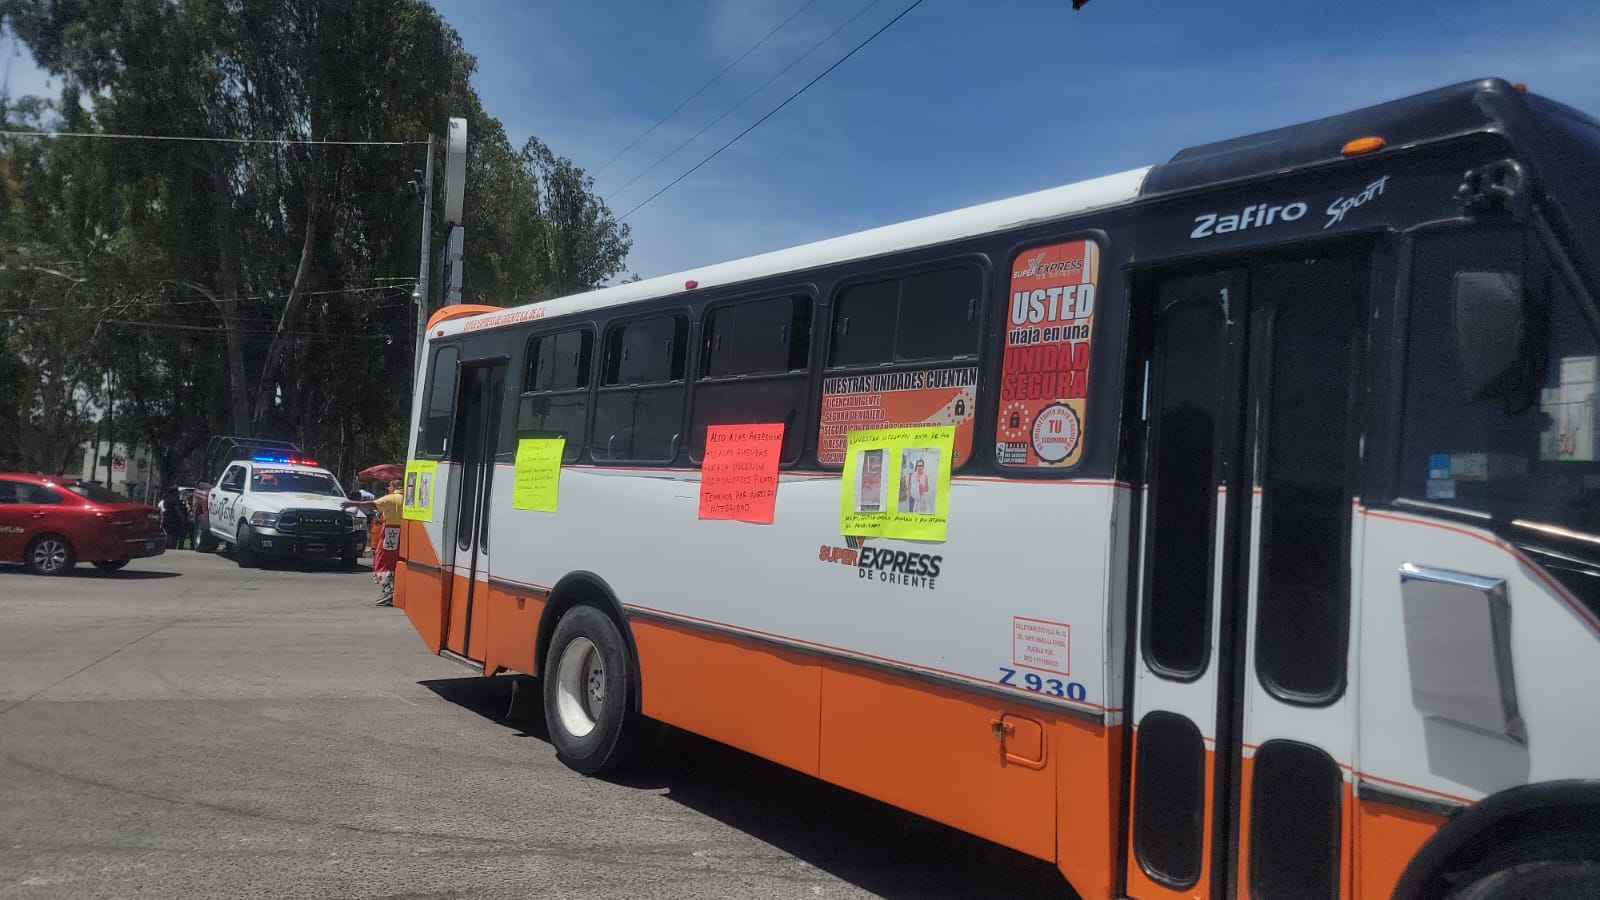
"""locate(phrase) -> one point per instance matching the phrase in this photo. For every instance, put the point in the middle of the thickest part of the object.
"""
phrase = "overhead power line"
(702, 89)
(775, 110)
(404, 333)
(205, 140)
(746, 99)
(283, 295)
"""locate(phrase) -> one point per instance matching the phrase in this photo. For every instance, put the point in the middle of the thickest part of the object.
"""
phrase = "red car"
(51, 524)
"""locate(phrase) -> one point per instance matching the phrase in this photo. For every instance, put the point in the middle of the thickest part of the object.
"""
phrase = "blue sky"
(960, 102)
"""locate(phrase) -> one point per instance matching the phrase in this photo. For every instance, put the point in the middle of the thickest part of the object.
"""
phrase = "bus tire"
(587, 707)
(1541, 880)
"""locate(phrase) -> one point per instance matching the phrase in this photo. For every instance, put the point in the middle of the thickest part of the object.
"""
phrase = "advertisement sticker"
(1044, 381)
(896, 482)
(895, 400)
(537, 473)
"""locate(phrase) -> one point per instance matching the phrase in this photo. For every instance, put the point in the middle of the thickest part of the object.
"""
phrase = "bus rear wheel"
(588, 702)
(1542, 880)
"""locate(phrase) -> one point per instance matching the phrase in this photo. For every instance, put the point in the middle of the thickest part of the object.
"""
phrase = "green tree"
(258, 282)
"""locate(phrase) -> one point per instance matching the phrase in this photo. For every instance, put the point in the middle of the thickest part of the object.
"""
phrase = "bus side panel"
(932, 750)
(1089, 804)
(420, 591)
(1387, 837)
(512, 630)
(761, 699)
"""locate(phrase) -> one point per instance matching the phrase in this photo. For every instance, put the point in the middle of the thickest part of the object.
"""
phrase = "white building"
(129, 472)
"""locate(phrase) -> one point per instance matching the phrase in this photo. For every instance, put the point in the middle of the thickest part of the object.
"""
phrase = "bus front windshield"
(1529, 468)
(289, 481)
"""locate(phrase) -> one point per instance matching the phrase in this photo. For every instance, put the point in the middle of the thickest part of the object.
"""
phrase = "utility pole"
(422, 293)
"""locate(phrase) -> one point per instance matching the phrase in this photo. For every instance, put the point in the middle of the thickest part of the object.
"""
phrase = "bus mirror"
(1494, 341)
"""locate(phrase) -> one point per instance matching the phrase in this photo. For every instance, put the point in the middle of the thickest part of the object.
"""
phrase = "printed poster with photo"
(418, 498)
(1044, 380)
(896, 483)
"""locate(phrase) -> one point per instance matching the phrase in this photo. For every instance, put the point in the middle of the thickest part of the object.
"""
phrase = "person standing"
(387, 552)
(173, 520)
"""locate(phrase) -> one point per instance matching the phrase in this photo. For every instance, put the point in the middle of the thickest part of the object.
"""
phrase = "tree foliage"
(186, 288)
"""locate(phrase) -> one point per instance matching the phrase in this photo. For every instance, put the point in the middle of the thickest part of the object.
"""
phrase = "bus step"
(455, 657)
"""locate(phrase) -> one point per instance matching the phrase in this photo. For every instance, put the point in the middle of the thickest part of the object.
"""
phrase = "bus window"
(555, 399)
(753, 369)
(639, 410)
(441, 404)
(904, 352)
(927, 316)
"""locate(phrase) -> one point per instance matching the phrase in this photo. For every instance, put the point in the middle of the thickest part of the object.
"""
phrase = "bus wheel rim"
(580, 687)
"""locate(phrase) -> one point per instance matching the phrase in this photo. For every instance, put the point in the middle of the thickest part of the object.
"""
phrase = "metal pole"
(422, 293)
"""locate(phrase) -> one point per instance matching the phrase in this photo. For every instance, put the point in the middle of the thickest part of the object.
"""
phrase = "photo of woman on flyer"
(918, 478)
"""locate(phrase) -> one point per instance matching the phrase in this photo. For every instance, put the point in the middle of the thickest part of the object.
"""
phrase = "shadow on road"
(87, 571)
(872, 845)
(128, 574)
(276, 563)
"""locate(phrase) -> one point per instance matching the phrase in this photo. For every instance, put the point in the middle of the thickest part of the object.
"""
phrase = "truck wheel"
(204, 540)
(50, 554)
(588, 702)
(242, 553)
(1543, 880)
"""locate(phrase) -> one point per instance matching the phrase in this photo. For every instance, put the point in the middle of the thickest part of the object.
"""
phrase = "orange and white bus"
(1268, 498)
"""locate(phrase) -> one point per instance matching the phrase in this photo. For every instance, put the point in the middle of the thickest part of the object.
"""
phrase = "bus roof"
(1096, 193)
(1489, 104)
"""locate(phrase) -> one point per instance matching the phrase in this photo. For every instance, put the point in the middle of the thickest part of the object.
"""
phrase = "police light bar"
(285, 460)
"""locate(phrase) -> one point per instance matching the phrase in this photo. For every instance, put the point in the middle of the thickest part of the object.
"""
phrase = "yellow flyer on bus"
(537, 474)
(897, 483)
(419, 489)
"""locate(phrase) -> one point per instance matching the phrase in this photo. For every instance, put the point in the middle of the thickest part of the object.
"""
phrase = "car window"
(8, 491)
(290, 481)
(233, 479)
(30, 494)
(94, 493)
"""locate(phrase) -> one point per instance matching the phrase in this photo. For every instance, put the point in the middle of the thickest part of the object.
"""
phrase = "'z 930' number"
(1072, 690)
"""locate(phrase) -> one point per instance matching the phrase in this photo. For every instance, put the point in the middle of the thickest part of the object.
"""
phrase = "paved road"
(185, 729)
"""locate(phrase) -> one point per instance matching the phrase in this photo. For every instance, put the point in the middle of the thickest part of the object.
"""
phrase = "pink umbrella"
(384, 472)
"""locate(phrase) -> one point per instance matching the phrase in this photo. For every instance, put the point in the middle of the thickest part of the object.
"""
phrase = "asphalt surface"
(187, 729)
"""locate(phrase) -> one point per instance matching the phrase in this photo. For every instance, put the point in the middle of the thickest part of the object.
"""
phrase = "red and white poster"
(1044, 381)
(897, 400)
(739, 475)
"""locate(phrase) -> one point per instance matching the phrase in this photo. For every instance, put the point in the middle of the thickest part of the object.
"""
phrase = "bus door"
(1242, 728)
(477, 435)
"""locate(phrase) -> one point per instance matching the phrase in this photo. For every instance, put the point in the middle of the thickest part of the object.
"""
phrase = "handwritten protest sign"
(537, 474)
(739, 475)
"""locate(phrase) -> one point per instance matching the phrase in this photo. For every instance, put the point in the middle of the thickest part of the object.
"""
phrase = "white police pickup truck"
(280, 505)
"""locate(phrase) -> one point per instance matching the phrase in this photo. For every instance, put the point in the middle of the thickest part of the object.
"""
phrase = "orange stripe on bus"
(1387, 838)
(760, 699)
(932, 750)
(512, 630)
